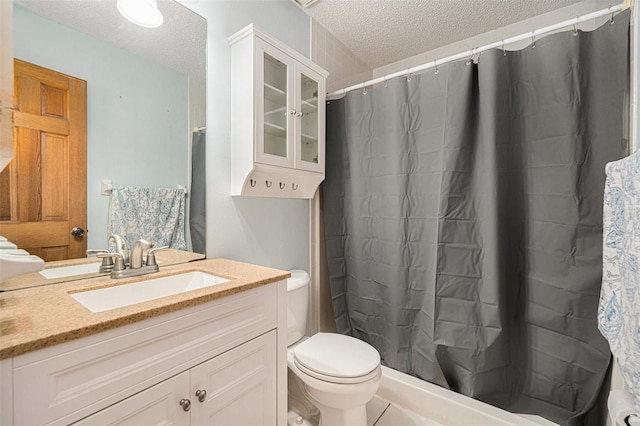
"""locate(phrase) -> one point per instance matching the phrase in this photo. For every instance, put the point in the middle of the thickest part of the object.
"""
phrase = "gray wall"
(137, 111)
(270, 232)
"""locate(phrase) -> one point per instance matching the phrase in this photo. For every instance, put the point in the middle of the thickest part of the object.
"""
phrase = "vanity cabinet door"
(237, 388)
(158, 405)
(240, 386)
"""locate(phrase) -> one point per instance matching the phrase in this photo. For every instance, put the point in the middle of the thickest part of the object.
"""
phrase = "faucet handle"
(119, 265)
(96, 251)
(151, 255)
(107, 262)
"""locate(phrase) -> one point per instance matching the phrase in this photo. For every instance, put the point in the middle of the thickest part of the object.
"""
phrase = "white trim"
(635, 70)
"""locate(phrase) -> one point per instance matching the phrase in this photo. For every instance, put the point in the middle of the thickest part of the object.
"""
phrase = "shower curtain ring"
(268, 183)
(385, 82)
(575, 27)
(504, 51)
(437, 71)
(408, 77)
(364, 90)
(533, 39)
(611, 19)
(470, 60)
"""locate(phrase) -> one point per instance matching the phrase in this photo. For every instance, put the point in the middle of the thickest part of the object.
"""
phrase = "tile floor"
(382, 413)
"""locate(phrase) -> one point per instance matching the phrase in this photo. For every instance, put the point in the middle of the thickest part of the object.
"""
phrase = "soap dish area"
(15, 261)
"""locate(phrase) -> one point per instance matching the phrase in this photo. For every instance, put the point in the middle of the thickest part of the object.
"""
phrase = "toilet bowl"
(340, 373)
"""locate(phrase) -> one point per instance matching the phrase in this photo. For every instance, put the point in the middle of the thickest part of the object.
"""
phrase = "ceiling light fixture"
(141, 12)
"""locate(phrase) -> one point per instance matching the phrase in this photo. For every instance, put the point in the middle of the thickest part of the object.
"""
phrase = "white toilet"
(341, 373)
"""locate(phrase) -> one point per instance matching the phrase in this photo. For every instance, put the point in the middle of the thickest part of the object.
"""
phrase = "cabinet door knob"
(185, 404)
(293, 112)
(201, 394)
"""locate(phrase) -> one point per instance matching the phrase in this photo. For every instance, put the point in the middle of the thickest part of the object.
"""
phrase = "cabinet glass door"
(309, 120)
(275, 107)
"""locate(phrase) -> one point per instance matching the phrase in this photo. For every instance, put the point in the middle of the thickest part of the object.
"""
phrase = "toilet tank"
(298, 305)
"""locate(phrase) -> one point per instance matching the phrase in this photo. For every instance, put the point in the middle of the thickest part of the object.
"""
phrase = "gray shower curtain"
(463, 219)
(198, 197)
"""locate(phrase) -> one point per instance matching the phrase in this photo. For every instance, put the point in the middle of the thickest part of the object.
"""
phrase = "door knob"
(185, 404)
(201, 394)
(77, 232)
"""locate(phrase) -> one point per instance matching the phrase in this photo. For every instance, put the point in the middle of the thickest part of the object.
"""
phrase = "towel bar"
(106, 187)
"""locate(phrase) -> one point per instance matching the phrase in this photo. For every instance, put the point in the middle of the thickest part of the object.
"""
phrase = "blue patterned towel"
(153, 214)
(619, 309)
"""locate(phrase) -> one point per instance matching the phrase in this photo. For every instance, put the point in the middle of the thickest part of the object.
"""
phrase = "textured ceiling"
(180, 43)
(380, 32)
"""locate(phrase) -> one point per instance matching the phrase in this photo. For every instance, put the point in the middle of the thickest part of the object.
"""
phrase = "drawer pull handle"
(201, 394)
(185, 404)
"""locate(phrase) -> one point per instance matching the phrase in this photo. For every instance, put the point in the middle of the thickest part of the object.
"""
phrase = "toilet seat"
(337, 358)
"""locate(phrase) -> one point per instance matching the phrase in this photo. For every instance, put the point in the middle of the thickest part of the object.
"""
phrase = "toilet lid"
(336, 355)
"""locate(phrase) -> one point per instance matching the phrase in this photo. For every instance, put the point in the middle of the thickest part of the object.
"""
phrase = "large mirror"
(145, 96)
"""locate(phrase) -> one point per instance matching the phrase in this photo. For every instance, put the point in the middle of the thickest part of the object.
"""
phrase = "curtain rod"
(476, 51)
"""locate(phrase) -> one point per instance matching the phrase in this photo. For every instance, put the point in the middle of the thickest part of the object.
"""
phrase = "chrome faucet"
(136, 253)
(137, 266)
(121, 247)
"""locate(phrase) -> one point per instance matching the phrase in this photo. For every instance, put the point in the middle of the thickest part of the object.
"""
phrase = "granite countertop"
(163, 257)
(38, 317)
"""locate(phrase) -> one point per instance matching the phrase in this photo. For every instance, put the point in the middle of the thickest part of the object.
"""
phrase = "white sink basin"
(71, 270)
(118, 296)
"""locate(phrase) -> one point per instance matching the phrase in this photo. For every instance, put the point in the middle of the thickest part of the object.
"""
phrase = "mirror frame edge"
(6, 83)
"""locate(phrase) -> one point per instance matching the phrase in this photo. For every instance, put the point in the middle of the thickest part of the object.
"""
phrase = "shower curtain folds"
(463, 219)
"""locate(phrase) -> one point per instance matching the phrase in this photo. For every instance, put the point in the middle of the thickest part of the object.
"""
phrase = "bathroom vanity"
(216, 355)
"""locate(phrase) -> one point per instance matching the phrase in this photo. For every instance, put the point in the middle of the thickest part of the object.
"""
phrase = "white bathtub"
(444, 406)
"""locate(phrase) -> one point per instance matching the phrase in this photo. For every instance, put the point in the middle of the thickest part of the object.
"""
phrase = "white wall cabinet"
(277, 118)
(234, 348)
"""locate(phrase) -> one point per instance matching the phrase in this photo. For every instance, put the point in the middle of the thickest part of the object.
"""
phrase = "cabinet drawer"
(67, 382)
